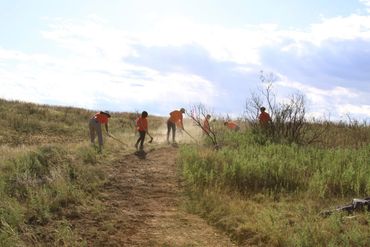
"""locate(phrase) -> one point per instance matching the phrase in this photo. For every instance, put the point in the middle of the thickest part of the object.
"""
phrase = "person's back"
(142, 123)
(264, 117)
(175, 116)
(174, 120)
(101, 117)
(206, 127)
(232, 126)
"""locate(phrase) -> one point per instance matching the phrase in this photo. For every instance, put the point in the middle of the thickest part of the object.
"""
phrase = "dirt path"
(141, 207)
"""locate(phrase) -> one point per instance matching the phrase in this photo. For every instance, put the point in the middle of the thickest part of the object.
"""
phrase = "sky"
(134, 55)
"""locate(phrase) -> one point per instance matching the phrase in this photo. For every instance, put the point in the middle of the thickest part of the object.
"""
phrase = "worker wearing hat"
(264, 118)
(175, 118)
(95, 126)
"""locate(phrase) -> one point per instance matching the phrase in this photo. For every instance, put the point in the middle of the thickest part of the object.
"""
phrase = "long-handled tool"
(151, 138)
(190, 135)
(116, 139)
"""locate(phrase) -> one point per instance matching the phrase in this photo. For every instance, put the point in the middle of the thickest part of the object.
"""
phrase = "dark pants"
(171, 126)
(141, 139)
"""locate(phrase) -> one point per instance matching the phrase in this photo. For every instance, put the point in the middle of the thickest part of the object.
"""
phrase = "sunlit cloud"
(334, 102)
(352, 110)
(179, 61)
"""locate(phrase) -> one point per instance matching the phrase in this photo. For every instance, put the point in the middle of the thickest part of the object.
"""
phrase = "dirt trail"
(141, 207)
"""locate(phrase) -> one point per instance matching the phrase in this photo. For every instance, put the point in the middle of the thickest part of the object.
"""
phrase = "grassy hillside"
(261, 192)
(49, 172)
(32, 124)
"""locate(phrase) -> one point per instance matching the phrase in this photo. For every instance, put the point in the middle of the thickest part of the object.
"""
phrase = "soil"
(142, 207)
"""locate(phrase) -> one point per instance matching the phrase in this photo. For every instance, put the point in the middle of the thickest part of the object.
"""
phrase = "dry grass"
(49, 170)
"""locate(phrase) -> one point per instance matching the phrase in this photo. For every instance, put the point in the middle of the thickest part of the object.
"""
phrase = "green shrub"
(65, 236)
(87, 154)
(9, 236)
(30, 170)
(11, 212)
(38, 210)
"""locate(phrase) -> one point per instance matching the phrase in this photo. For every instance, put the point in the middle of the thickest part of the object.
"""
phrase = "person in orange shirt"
(232, 126)
(142, 127)
(95, 127)
(175, 117)
(264, 117)
(206, 128)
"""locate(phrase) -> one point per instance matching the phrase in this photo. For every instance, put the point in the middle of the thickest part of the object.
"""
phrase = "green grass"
(280, 168)
(36, 186)
(287, 220)
(270, 194)
(260, 192)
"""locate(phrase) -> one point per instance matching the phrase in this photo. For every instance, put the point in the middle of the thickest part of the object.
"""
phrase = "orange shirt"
(176, 116)
(142, 124)
(232, 125)
(264, 118)
(102, 118)
(206, 127)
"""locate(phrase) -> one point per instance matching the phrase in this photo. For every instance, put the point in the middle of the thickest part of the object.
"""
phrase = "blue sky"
(128, 55)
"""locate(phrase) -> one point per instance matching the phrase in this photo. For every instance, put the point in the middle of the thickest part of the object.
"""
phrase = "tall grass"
(280, 168)
(270, 194)
(37, 185)
(268, 220)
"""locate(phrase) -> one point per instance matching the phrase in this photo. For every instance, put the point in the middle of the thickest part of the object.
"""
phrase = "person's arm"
(106, 127)
(146, 126)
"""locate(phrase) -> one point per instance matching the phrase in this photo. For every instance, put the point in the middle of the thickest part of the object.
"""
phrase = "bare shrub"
(289, 123)
(198, 113)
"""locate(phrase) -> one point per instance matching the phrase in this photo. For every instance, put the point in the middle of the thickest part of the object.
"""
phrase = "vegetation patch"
(271, 194)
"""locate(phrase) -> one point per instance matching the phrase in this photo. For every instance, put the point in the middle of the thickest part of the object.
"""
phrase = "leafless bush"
(198, 114)
(289, 123)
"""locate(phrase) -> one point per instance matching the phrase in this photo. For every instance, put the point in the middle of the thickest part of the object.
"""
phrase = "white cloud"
(240, 45)
(83, 79)
(237, 45)
(343, 28)
(91, 39)
(354, 110)
(243, 45)
(93, 70)
(334, 102)
(316, 94)
(94, 64)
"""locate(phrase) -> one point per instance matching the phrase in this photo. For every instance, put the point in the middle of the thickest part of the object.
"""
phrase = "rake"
(190, 136)
(116, 139)
(151, 138)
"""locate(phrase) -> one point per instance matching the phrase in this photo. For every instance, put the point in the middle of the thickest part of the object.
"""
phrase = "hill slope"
(58, 191)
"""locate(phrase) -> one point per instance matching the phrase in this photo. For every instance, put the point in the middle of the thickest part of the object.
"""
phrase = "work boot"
(136, 146)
